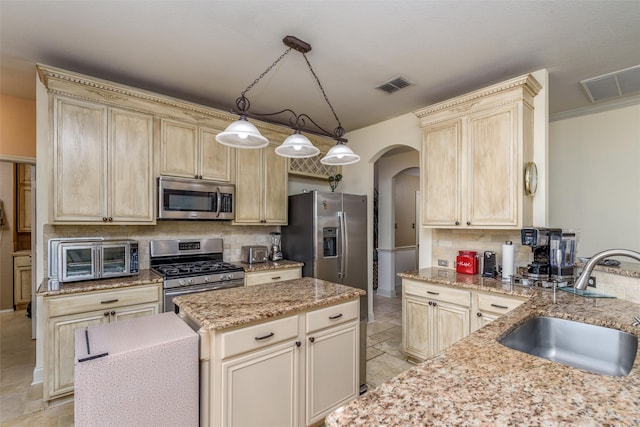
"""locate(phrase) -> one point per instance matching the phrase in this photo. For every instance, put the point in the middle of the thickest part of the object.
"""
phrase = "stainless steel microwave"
(71, 260)
(194, 199)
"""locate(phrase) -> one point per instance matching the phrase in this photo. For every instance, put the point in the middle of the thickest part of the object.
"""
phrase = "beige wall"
(595, 178)
(17, 128)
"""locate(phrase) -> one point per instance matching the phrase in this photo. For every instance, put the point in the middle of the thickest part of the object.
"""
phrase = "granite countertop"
(52, 287)
(478, 381)
(227, 308)
(270, 265)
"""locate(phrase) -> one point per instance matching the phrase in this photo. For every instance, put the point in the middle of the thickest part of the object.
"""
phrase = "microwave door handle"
(218, 201)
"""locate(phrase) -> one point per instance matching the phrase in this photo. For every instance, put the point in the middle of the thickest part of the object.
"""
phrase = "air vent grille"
(613, 85)
(394, 84)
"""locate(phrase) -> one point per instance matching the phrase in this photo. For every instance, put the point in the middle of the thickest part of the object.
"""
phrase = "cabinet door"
(249, 186)
(451, 324)
(416, 327)
(262, 388)
(441, 166)
(80, 161)
(131, 180)
(178, 149)
(332, 370)
(275, 190)
(21, 281)
(60, 350)
(214, 158)
(134, 311)
(492, 150)
(24, 198)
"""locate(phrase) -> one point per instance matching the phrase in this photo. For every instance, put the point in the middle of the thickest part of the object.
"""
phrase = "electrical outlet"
(591, 282)
(443, 263)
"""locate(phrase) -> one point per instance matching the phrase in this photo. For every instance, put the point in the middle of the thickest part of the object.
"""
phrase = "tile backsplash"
(234, 236)
(447, 243)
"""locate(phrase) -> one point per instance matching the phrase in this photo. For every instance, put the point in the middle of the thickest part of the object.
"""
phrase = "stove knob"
(181, 282)
(230, 276)
(207, 279)
(224, 277)
(191, 281)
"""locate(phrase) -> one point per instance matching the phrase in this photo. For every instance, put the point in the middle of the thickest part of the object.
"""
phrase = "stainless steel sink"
(593, 348)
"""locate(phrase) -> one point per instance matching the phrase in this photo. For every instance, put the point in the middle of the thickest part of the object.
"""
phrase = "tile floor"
(21, 403)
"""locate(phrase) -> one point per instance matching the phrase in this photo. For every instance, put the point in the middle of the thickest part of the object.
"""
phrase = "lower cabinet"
(63, 314)
(434, 317)
(291, 371)
(489, 307)
(271, 276)
(21, 279)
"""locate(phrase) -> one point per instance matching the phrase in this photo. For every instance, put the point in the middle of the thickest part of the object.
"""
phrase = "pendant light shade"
(242, 134)
(297, 146)
(340, 154)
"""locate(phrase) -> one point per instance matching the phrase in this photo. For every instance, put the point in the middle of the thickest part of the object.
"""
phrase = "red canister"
(467, 262)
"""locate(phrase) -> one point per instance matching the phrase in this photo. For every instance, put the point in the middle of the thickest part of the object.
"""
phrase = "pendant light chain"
(339, 131)
(264, 73)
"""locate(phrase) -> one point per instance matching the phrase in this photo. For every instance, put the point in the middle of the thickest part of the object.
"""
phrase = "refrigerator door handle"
(344, 244)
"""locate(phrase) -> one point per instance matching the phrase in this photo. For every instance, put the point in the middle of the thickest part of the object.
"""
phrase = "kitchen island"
(282, 353)
(478, 381)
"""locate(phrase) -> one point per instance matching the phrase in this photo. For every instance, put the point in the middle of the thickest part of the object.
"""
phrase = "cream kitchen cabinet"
(488, 307)
(65, 313)
(271, 276)
(191, 151)
(21, 279)
(332, 359)
(474, 151)
(433, 318)
(261, 187)
(102, 164)
(291, 371)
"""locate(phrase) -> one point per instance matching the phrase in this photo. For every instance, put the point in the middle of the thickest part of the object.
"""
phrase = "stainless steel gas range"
(193, 265)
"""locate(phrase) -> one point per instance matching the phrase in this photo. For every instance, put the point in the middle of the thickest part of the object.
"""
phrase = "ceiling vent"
(613, 85)
(394, 84)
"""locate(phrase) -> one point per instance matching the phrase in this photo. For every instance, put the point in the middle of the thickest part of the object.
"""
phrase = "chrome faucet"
(583, 279)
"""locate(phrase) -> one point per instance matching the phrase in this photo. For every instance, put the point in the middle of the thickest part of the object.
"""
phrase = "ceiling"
(209, 51)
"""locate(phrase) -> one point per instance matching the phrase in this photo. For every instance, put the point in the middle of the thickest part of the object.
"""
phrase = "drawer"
(80, 303)
(437, 292)
(258, 336)
(334, 315)
(272, 276)
(22, 261)
(500, 304)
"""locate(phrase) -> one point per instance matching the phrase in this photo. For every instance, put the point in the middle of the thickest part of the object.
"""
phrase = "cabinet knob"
(435, 303)
(298, 343)
(110, 219)
(479, 314)
(195, 176)
(199, 176)
(113, 313)
(457, 222)
(104, 218)
(430, 302)
(468, 222)
(106, 313)
(312, 339)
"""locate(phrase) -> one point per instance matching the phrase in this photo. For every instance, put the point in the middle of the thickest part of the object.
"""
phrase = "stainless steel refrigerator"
(328, 233)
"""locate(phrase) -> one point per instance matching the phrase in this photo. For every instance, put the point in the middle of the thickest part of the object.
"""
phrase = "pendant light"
(243, 134)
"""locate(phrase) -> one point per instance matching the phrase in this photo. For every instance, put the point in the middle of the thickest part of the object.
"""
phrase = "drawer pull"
(504, 307)
(109, 301)
(275, 278)
(264, 337)
(433, 293)
(337, 316)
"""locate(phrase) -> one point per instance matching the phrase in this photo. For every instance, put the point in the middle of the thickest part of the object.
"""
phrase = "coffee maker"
(276, 249)
(538, 239)
(553, 255)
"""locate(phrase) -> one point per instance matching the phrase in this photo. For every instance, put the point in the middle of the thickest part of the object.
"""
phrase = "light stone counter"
(478, 381)
(226, 308)
(144, 277)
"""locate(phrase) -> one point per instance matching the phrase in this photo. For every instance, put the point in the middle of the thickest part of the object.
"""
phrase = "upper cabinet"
(190, 151)
(474, 151)
(261, 187)
(102, 164)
